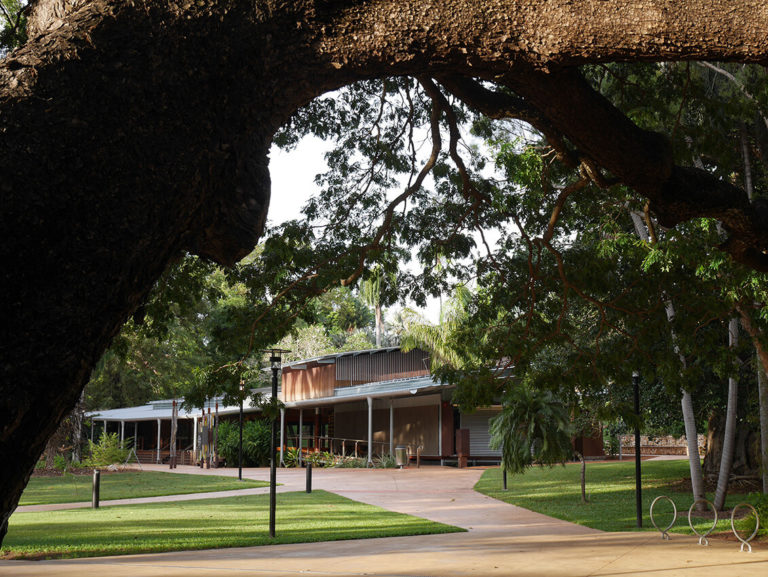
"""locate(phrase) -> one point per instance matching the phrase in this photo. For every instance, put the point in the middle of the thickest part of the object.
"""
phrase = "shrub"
(386, 461)
(329, 459)
(60, 463)
(760, 503)
(315, 459)
(257, 437)
(107, 451)
(291, 457)
(352, 463)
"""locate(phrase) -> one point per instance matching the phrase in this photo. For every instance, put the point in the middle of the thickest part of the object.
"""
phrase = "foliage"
(14, 30)
(532, 427)
(760, 502)
(386, 461)
(229, 522)
(345, 462)
(257, 437)
(291, 457)
(306, 342)
(107, 450)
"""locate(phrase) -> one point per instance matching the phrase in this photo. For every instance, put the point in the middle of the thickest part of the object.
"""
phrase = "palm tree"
(533, 426)
(370, 292)
(419, 333)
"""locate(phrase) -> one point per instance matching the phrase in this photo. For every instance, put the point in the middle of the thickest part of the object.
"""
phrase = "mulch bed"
(737, 486)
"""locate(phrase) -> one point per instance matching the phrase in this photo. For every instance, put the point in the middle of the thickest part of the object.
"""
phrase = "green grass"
(556, 492)
(204, 524)
(77, 488)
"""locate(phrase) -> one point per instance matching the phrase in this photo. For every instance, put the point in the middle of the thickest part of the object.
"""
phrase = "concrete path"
(502, 540)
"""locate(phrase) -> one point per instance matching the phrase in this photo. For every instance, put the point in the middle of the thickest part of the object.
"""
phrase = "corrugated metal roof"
(393, 388)
(162, 410)
(334, 356)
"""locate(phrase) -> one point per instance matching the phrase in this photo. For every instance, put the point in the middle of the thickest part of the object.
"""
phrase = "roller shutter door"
(479, 437)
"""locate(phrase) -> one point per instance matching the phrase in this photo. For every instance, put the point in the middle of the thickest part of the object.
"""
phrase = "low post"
(504, 478)
(96, 485)
(309, 477)
(638, 456)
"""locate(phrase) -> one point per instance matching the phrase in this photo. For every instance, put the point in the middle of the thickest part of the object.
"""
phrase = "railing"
(347, 447)
(183, 457)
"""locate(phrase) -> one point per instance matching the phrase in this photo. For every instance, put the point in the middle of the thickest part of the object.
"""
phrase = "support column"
(391, 427)
(316, 431)
(440, 430)
(135, 433)
(157, 459)
(301, 427)
(194, 436)
(93, 426)
(370, 431)
(122, 433)
(282, 437)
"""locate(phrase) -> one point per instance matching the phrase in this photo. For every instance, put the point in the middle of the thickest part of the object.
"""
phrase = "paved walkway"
(501, 540)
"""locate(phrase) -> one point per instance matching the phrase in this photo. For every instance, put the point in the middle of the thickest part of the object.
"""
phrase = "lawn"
(555, 491)
(204, 524)
(76, 488)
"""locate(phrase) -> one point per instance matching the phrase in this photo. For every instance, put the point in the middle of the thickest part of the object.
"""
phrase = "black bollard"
(504, 479)
(309, 477)
(96, 484)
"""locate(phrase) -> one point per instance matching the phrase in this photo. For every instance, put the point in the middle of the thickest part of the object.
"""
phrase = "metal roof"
(162, 410)
(379, 389)
(331, 357)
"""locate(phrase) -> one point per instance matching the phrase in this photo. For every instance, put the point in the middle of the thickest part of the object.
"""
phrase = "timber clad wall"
(383, 366)
(319, 380)
(311, 383)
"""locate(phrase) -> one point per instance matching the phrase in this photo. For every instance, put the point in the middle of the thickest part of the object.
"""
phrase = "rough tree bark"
(133, 131)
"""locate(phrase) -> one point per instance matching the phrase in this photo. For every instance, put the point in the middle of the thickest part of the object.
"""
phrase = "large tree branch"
(563, 103)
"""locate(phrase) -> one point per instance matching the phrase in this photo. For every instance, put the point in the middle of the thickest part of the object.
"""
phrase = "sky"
(293, 173)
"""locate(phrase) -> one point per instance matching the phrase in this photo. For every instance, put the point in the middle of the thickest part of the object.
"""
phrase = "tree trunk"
(762, 388)
(686, 402)
(133, 132)
(379, 325)
(729, 439)
(692, 439)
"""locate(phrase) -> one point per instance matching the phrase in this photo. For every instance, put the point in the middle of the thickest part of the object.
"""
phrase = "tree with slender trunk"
(729, 438)
(134, 132)
(370, 291)
(686, 400)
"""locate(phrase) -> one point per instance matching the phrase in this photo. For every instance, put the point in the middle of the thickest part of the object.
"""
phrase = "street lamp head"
(275, 358)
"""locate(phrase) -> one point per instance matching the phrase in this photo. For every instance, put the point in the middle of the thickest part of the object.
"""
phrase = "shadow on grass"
(204, 524)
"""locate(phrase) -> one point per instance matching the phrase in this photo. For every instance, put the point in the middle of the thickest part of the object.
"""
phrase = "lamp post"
(638, 483)
(240, 446)
(275, 362)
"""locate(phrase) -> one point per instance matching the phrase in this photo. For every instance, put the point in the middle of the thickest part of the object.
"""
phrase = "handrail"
(345, 444)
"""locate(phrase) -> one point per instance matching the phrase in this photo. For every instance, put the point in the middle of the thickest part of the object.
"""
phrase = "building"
(363, 403)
